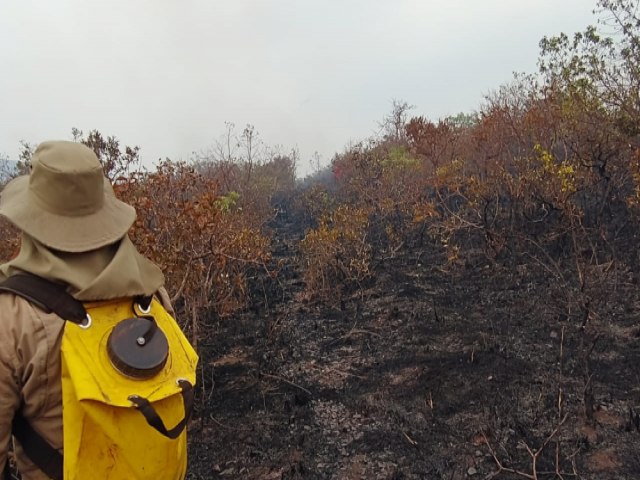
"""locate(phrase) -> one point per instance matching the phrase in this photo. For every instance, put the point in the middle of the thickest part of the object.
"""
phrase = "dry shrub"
(204, 243)
(9, 240)
(336, 255)
(392, 183)
(311, 204)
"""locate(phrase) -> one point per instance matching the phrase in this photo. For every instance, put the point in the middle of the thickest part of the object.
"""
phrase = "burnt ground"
(431, 371)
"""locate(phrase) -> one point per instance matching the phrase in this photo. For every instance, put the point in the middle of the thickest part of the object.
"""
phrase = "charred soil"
(429, 371)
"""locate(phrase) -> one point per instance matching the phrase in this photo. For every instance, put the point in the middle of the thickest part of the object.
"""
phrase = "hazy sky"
(166, 74)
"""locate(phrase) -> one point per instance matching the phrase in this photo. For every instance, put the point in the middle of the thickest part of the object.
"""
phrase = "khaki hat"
(66, 202)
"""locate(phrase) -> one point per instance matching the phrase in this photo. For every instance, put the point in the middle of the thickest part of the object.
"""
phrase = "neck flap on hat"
(114, 271)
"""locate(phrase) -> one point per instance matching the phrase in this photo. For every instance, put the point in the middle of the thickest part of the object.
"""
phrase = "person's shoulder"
(25, 328)
(10, 302)
(14, 317)
(17, 311)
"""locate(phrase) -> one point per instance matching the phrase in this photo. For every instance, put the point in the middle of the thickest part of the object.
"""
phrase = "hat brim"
(68, 234)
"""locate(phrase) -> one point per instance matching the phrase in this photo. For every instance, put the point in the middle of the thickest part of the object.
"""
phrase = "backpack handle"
(154, 420)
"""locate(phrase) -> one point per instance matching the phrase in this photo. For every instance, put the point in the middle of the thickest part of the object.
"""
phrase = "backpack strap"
(50, 297)
(154, 420)
(39, 451)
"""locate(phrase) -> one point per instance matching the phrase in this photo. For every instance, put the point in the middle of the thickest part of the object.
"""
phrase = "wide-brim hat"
(66, 202)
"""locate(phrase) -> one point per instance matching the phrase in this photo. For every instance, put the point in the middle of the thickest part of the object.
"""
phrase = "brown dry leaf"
(604, 417)
(604, 460)
(589, 433)
(478, 440)
(235, 357)
(405, 376)
(265, 473)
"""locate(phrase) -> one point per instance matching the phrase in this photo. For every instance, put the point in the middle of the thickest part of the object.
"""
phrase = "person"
(75, 233)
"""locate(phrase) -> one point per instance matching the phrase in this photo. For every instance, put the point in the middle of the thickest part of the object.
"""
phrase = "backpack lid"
(137, 347)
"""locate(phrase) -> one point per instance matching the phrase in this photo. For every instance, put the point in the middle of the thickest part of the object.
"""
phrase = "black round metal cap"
(138, 348)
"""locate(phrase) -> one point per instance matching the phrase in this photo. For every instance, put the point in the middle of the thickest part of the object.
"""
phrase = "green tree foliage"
(602, 63)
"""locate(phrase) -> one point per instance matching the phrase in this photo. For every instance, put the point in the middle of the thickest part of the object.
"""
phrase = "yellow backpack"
(127, 384)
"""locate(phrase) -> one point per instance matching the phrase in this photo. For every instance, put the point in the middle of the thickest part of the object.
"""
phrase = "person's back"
(74, 234)
(29, 376)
